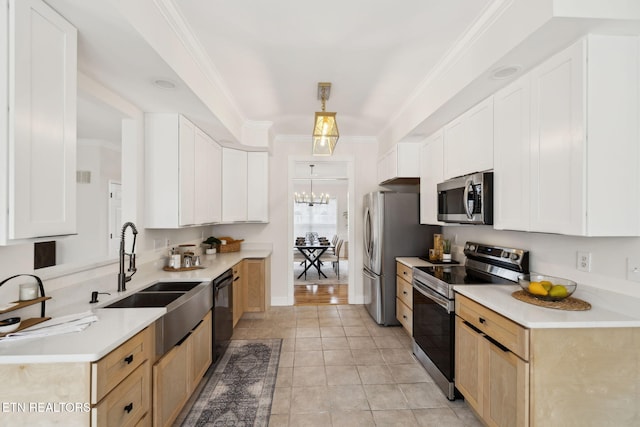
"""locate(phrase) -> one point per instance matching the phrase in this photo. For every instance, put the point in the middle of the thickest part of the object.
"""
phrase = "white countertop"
(115, 325)
(608, 310)
(413, 262)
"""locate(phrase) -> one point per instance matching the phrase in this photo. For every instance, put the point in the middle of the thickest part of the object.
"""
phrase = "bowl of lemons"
(547, 288)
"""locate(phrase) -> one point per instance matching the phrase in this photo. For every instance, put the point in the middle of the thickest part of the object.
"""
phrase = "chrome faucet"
(122, 277)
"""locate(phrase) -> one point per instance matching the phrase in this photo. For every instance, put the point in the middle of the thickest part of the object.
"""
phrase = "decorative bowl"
(9, 325)
(547, 288)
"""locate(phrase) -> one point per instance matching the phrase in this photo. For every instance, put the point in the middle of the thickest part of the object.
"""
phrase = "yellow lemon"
(537, 289)
(558, 291)
(546, 284)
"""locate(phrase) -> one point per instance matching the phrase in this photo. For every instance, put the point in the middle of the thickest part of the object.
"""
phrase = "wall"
(556, 255)
(277, 232)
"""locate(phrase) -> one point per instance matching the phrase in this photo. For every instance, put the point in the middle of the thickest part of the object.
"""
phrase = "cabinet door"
(42, 121)
(170, 385)
(201, 351)
(431, 173)
(511, 156)
(258, 186)
(557, 143)
(186, 172)
(207, 179)
(468, 361)
(506, 388)
(234, 185)
(238, 297)
(254, 272)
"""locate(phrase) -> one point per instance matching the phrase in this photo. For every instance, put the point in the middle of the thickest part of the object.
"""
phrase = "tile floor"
(339, 368)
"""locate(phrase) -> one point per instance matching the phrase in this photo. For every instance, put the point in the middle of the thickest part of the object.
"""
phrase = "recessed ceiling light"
(505, 72)
(164, 84)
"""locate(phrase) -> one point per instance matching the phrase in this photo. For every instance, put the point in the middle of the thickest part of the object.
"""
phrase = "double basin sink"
(186, 303)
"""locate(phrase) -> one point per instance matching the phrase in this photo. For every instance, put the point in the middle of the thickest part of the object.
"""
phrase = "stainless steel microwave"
(467, 199)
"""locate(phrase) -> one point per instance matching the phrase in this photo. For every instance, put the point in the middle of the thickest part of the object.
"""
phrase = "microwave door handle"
(468, 183)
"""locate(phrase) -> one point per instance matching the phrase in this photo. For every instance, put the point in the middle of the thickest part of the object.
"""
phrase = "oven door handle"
(434, 296)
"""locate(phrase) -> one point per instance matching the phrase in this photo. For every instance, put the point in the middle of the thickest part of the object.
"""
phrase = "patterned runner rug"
(240, 389)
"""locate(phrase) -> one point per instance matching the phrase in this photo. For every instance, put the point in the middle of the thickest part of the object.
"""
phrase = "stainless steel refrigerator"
(391, 229)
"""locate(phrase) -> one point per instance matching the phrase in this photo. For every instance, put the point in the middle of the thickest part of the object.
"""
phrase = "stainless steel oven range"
(434, 303)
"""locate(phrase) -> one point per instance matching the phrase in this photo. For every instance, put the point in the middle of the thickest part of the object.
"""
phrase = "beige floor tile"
(284, 377)
(396, 356)
(395, 418)
(306, 313)
(388, 342)
(335, 343)
(352, 419)
(283, 333)
(328, 314)
(279, 420)
(424, 395)
(367, 357)
(342, 375)
(308, 358)
(286, 359)
(352, 321)
(382, 331)
(240, 334)
(307, 332)
(437, 417)
(285, 323)
(306, 400)
(306, 376)
(307, 344)
(327, 309)
(348, 398)
(331, 331)
(375, 374)
(358, 343)
(288, 344)
(467, 416)
(409, 373)
(281, 403)
(385, 397)
(310, 420)
(338, 358)
(356, 331)
(330, 321)
(307, 323)
(349, 314)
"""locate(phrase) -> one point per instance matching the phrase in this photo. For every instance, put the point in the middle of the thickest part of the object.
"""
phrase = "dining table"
(312, 250)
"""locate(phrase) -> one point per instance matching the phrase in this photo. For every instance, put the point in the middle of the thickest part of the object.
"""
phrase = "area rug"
(240, 389)
(312, 275)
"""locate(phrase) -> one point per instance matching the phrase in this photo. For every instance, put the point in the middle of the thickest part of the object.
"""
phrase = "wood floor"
(315, 294)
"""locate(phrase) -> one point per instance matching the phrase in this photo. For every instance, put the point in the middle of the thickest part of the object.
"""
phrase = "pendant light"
(310, 199)
(325, 129)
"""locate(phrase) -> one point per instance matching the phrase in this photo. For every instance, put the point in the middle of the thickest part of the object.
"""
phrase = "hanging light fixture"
(310, 199)
(325, 129)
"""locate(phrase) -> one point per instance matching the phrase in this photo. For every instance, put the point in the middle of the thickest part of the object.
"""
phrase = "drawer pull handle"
(129, 359)
(128, 408)
(481, 320)
(404, 316)
(405, 292)
(404, 272)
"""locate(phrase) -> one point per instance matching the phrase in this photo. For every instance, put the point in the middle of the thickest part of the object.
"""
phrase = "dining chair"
(334, 259)
(298, 257)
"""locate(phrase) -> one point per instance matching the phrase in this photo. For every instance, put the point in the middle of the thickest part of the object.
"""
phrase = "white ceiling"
(270, 55)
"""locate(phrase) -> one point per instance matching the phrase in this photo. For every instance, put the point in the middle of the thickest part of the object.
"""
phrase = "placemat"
(569, 303)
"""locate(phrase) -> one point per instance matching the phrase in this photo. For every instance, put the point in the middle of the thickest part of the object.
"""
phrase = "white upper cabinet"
(401, 162)
(38, 57)
(468, 141)
(431, 173)
(245, 186)
(182, 173)
(511, 144)
(584, 139)
(234, 185)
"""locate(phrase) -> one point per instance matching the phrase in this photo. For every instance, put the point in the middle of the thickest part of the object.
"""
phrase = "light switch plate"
(633, 269)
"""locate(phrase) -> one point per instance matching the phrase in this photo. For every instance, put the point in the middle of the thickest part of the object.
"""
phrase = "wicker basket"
(231, 246)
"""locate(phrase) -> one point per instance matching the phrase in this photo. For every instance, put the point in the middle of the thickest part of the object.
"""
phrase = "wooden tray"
(195, 267)
(569, 303)
(27, 323)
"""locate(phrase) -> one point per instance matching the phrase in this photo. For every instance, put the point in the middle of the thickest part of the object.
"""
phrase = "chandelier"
(310, 199)
(325, 129)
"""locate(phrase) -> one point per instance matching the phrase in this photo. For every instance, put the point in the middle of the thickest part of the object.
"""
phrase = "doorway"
(320, 217)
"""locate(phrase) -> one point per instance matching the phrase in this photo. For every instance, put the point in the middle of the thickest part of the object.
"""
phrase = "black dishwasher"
(222, 313)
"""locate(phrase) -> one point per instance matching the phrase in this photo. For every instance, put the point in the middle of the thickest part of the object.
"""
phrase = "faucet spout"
(122, 276)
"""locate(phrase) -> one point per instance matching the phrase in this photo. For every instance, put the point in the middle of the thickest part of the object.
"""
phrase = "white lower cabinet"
(38, 68)
(431, 173)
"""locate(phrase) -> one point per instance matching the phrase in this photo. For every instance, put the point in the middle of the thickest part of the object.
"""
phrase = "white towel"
(57, 326)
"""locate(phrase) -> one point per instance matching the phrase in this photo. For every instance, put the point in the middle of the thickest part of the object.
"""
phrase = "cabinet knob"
(481, 320)
(404, 316)
(129, 359)
(128, 408)
(405, 292)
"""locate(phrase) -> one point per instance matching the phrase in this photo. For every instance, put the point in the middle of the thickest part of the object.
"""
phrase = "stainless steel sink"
(171, 287)
(149, 299)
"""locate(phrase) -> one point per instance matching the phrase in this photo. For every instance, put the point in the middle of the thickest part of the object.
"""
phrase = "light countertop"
(114, 325)
(413, 262)
(608, 310)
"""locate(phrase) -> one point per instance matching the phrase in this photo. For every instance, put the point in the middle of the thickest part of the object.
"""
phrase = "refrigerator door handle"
(367, 234)
(370, 274)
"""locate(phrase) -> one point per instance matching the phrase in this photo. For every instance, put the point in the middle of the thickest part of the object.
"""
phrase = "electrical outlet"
(167, 243)
(584, 261)
(633, 269)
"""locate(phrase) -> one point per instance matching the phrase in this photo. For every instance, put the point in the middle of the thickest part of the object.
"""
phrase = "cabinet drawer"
(236, 269)
(127, 404)
(405, 316)
(404, 291)
(109, 371)
(405, 272)
(506, 332)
